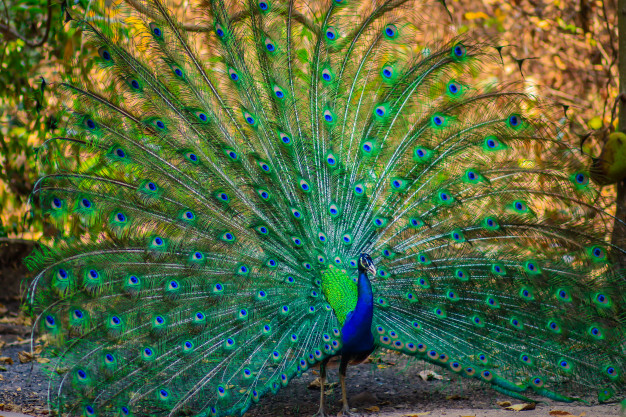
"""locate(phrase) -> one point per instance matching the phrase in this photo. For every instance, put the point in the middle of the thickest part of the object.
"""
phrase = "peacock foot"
(321, 413)
(345, 412)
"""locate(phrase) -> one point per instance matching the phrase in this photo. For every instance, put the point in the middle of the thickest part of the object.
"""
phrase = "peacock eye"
(515, 121)
(233, 74)
(219, 31)
(269, 45)
(459, 50)
(453, 88)
(91, 125)
(391, 31)
(156, 31)
(581, 178)
(285, 138)
(249, 118)
(105, 54)
(191, 156)
(264, 6)
(331, 33)
(278, 92)
(598, 253)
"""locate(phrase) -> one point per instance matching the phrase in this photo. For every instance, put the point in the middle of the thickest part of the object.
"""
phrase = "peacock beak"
(372, 269)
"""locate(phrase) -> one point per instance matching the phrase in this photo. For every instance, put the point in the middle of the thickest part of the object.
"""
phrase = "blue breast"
(356, 333)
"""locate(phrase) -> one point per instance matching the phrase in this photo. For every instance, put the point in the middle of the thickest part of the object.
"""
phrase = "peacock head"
(366, 264)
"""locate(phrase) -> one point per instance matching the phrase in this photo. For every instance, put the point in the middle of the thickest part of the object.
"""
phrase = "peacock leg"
(322, 411)
(345, 411)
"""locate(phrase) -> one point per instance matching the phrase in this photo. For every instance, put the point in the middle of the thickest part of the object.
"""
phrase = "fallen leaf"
(373, 409)
(505, 403)
(418, 414)
(43, 360)
(20, 342)
(456, 397)
(429, 375)
(560, 413)
(25, 357)
(6, 359)
(521, 407)
(317, 384)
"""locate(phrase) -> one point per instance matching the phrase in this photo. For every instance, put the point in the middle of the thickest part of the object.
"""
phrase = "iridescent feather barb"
(214, 200)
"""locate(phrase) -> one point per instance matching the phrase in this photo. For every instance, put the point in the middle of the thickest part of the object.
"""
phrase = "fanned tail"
(232, 152)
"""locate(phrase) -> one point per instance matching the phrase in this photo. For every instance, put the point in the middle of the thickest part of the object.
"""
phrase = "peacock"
(246, 189)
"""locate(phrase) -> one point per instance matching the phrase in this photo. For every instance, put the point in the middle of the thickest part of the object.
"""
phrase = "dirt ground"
(390, 386)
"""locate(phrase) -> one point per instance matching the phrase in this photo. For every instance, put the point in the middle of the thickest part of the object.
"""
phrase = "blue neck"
(357, 330)
(365, 303)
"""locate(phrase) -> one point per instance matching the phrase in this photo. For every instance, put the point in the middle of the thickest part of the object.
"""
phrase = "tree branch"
(10, 33)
